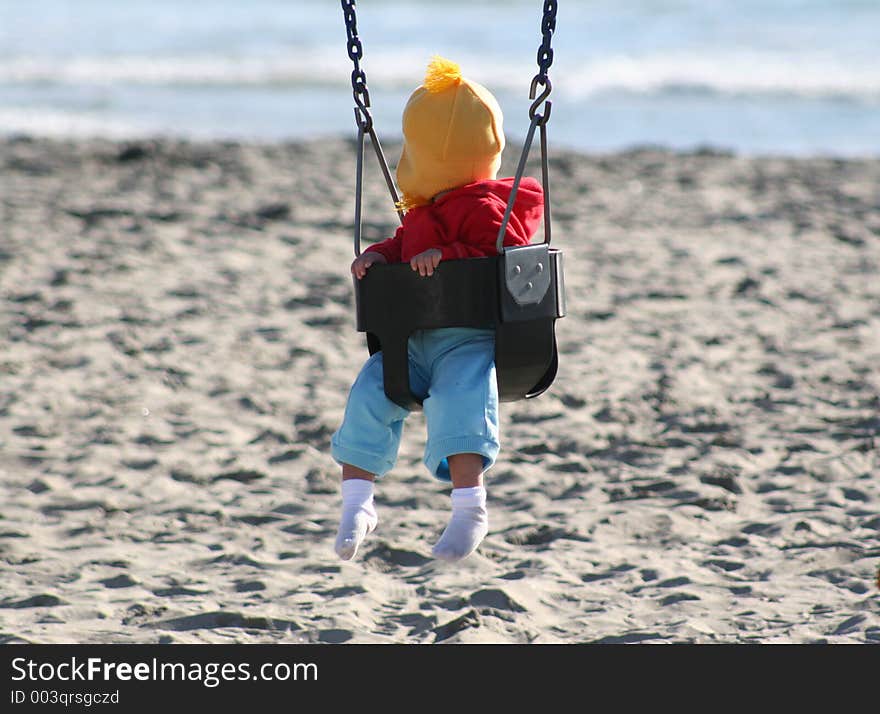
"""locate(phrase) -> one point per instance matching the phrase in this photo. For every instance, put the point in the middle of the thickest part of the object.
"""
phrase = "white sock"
(467, 526)
(358, 516)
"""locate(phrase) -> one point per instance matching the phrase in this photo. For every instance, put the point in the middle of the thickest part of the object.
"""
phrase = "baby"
(452, 144)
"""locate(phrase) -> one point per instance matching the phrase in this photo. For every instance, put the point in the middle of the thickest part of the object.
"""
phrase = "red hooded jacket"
(464, 223)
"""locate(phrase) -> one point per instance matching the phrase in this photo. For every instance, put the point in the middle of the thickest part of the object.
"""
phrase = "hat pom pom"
(442, 74)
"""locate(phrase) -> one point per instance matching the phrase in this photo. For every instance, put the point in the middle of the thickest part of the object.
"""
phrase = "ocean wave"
(740, 74)
(60, 123)
(199, 70)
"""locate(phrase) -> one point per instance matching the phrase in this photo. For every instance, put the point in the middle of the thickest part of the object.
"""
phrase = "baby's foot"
(354, 526)
(467, 527)
(358, 519)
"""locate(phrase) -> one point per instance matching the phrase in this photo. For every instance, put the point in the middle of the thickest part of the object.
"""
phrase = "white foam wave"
(170, 71)
(736, 73)
(731, 73)
(43, 121)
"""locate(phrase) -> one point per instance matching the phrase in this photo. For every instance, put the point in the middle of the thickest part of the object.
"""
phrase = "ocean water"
(790, 77)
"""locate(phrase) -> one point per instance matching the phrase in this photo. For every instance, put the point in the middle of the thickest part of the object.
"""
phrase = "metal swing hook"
(544, 80)
(361, 94)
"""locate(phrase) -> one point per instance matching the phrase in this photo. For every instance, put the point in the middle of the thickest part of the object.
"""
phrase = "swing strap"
(364, 122)
(545, 59)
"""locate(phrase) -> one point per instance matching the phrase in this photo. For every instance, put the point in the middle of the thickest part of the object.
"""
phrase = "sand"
(178, 341)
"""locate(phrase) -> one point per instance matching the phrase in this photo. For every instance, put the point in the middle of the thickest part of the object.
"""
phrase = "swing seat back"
(519, 294)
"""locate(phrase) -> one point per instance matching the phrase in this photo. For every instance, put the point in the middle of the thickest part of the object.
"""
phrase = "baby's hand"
(426, 261)
(364, 261)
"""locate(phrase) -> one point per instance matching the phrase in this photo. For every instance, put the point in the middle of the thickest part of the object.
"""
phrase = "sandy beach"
(178, 342)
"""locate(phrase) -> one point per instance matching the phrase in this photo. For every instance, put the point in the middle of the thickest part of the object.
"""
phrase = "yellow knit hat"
(452, 135)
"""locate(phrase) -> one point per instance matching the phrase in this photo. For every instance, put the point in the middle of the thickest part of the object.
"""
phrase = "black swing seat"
(519, 293)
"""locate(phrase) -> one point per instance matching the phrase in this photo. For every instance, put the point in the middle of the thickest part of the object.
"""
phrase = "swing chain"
(538, 121)
(358, 77)
(364, 121)
(545, 59)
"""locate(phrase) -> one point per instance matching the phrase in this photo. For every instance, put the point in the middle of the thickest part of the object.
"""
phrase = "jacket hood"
(528, 209)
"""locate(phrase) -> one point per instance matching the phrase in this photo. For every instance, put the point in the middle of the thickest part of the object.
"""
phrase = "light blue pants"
(453, 371)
